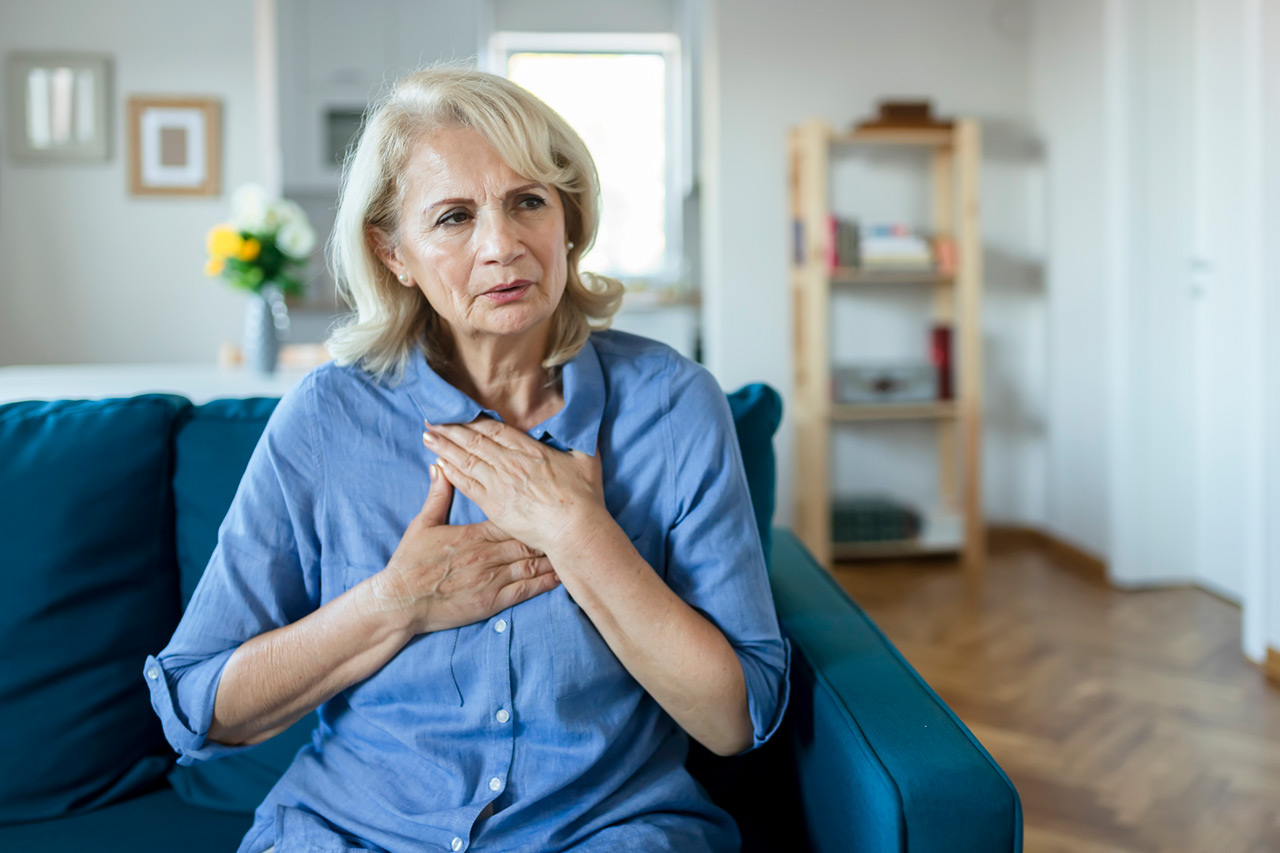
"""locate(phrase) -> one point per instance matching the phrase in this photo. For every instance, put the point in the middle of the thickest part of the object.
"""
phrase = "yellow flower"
(214, 267)
(224, 242)
(249, 249)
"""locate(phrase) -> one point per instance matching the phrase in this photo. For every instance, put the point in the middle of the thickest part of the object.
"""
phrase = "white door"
(1226, 265)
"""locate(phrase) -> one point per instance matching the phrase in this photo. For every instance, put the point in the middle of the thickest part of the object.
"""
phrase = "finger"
(503, 434)
(505, 552)
(435, 510)
(463, 481)
(475, 441)
(458, 458)
(526, 588)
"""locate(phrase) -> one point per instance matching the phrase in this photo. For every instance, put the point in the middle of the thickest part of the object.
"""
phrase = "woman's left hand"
(542, 496)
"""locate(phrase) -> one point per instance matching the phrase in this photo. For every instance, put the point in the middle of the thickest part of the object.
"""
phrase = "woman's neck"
(507, 377)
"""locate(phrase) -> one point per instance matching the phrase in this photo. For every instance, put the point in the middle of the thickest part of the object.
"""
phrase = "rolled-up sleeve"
(263, 574)
(715, 562)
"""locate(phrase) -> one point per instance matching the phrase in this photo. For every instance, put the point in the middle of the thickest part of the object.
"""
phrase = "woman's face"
(486, 245)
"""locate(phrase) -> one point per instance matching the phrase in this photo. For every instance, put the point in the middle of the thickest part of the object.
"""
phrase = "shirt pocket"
(420, 673)
(580, 657)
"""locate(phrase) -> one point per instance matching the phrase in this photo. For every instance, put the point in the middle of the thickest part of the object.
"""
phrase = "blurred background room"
(1055, 271)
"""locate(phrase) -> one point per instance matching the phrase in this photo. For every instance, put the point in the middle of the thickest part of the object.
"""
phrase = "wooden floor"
(1129, 721)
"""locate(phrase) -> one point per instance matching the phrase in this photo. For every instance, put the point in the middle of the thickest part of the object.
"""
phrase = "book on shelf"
(940, 356)
(880, 247)
(892, 246)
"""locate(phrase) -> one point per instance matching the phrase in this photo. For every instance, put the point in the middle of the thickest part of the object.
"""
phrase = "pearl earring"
(403, 278)
(570, 244)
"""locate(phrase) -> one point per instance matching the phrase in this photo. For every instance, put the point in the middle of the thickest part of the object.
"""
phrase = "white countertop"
(197, 382)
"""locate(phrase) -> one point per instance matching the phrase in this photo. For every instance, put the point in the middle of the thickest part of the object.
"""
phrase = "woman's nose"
(500, 241)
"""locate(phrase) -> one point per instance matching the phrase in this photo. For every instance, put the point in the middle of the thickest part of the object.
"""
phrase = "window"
(620, 92)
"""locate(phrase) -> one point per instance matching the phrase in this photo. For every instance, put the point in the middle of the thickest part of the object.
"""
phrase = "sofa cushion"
(212, 449)
(153, 822)
(90, 587)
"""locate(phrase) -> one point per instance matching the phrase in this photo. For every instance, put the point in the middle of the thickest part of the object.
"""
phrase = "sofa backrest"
(90, 588)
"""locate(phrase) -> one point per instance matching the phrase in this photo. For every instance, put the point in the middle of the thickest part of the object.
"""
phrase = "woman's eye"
(532, 202)
(453, 217)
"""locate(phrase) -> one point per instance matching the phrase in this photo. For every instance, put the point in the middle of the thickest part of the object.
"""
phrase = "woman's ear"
(385, 250)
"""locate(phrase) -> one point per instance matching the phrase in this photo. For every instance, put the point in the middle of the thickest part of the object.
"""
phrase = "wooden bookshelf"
(955, 525)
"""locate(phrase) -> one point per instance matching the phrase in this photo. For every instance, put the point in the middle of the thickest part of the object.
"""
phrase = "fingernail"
(428, 437)
(431, 472)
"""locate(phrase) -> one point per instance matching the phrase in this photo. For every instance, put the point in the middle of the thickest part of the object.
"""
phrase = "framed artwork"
(58, 107)
(175, 146)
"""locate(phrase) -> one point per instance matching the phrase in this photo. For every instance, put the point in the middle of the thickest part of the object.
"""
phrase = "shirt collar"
(576, 426)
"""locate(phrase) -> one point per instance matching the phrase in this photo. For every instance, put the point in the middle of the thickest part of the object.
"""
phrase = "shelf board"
(855, 275)
(886, 550)
(940, 410)
(932, 137)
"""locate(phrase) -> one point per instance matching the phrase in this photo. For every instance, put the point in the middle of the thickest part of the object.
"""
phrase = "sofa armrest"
(882, 763)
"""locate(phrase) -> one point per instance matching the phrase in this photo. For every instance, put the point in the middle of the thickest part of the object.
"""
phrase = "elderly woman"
(509, 557)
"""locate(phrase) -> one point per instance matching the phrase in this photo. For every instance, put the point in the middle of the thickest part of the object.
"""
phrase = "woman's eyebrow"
(534, 185)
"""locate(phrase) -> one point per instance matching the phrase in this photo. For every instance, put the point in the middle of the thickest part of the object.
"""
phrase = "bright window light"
(618, 104)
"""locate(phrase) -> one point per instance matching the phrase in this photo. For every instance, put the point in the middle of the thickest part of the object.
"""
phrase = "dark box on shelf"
(873, 519)
(893, 383)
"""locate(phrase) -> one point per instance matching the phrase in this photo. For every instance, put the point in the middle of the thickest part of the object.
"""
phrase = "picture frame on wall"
(175, 146)
(58, 107)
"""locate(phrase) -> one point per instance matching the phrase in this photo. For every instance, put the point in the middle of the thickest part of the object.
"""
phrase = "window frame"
(677, 167)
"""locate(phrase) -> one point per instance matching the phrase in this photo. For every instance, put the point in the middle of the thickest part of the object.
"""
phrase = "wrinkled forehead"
(457, 162)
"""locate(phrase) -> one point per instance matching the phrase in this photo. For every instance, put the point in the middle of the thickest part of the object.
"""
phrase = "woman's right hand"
(444, 576)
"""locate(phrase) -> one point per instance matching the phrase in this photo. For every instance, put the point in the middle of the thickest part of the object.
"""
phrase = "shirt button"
(502, 715)
(153, 672)
(495, 784)
(456, 844)
(500, 625)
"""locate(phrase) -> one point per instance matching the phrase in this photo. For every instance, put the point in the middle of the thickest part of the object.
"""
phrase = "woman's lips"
(509, 294)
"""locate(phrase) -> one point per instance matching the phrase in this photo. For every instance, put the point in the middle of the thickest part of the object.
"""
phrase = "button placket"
(503, 735)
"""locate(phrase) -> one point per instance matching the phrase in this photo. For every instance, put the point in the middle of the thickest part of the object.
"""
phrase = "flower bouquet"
(267, 242)
(262, 250)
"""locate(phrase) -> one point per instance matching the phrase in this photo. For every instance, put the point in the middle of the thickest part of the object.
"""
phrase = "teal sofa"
(109, 510)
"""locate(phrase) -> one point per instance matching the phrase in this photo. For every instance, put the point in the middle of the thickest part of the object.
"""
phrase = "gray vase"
(265, 317)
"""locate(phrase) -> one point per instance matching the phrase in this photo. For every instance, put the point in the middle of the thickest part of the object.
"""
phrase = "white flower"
(250, 208)
(287, 211)
(296, 238)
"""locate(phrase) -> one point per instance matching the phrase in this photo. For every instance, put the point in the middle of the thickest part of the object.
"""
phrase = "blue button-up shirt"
(522, 732)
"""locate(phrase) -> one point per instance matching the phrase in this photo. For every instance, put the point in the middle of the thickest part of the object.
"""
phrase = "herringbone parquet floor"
(1129, 721)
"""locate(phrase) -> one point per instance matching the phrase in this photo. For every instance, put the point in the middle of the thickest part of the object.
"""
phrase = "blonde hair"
(389, 320)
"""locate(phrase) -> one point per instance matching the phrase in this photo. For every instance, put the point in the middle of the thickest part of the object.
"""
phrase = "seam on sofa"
(934, 698)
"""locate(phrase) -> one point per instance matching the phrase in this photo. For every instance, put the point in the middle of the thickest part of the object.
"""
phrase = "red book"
(940, 355)
(833, 253)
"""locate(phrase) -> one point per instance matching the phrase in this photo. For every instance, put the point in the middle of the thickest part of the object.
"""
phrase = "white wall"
(770, 65)
(1268, 603)
(91, 273)
(1067, 96)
